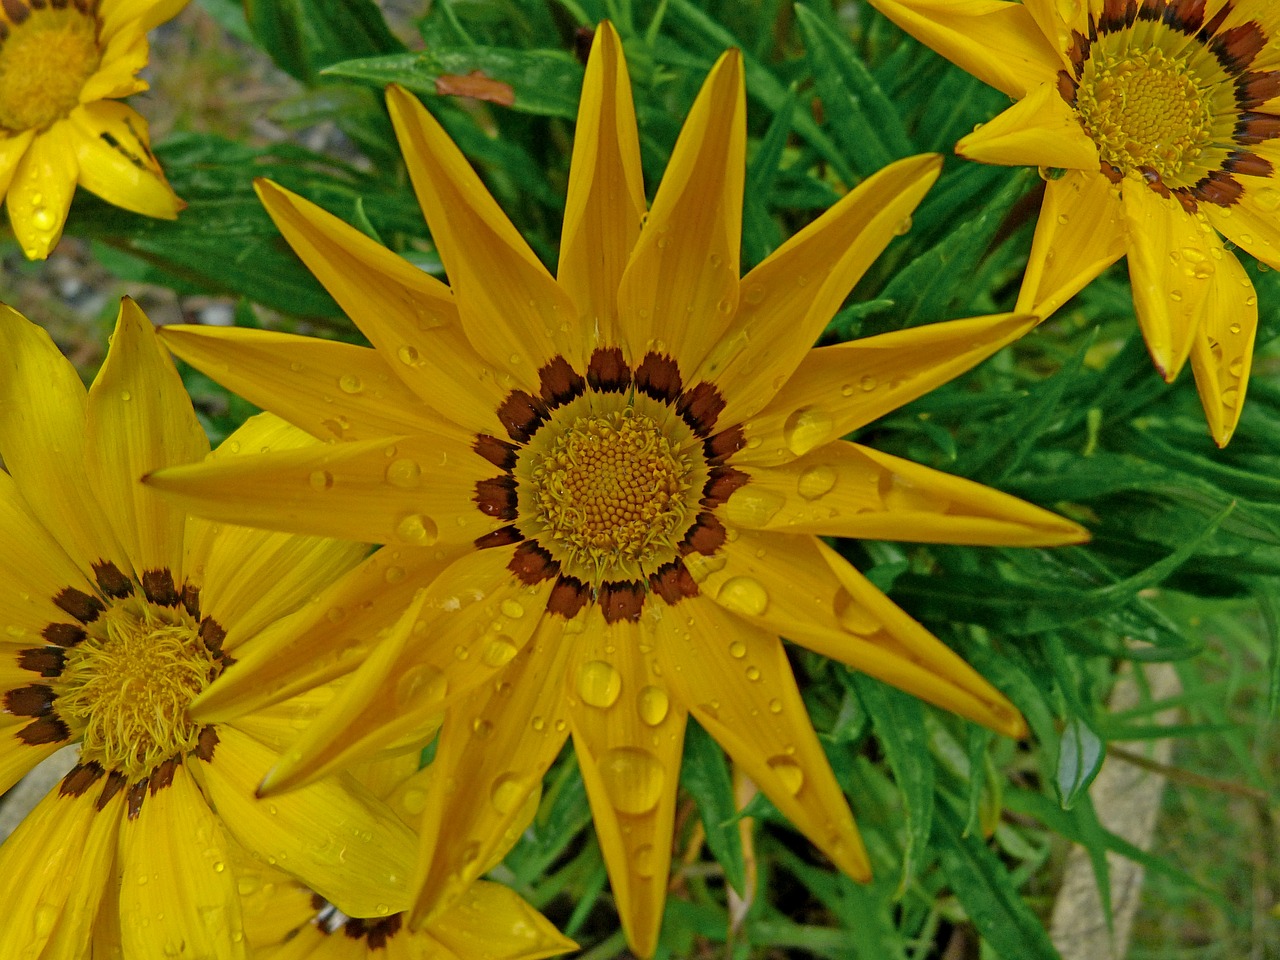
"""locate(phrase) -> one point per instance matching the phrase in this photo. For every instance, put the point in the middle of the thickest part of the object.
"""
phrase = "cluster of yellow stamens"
(125, 688)
(44, 63)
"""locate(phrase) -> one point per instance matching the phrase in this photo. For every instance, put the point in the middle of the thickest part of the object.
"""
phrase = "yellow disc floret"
(126, 687)
(612, 491)
(44, 63)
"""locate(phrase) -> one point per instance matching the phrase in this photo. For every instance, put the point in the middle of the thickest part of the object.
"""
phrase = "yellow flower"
(1161, 117)
(116, 610)
(284, 920)
(603, 491)
(63, 64)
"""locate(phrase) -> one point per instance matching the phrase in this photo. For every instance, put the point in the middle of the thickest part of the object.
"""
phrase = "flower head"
(1164, 116)
(62, 67)
(602, 491)
(117, 612)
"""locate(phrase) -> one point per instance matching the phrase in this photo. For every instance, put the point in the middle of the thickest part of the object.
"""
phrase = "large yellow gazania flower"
(63, 64)
(1163, 115)
(115, 611)
(609, 483)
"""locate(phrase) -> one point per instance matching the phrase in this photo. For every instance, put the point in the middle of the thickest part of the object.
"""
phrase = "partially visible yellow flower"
(1161, 117)
(601, 493)
(63, 64)
(116, 610)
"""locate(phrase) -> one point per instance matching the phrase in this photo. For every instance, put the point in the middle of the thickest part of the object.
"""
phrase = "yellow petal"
(334, 835)
(494, 922)
(463, 628)
(40, 192)
(737, 683)
(140, 14)
(175, 870)
(274, 906)
(277, 726)
(1041, 130)
(113, 148)
(847, 490)
(407, 314)
(494, 747)
(42, 441)
(327, 638)
(12, 149)
(333, 390)
(370, 490)
(140, 419)
(799, 587)
(510, 306)
(606, 193)
(788, 299)
(58, 862)
(680, 288)
(1250, 224)
(1079, 234)
(17, 757)
(1170, 262)
(1222, 351)
(837, 389)
(628, 733)
(999, 43)
(124, 54)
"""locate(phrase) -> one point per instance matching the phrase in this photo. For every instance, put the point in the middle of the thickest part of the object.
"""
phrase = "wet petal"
(1041, 130)
(407, 314)
(510, 306)
(606, 193)
(494, 922)
(41, 189)
(737, 683)
(840, 388)
(1222, 351)
(113, 149)
(333, 835)
(628, 732)
(12, 149)
(680, 288)
(140, 419)
(847, 490)
(1252, 224)
(999, 43)
(789, 298)
(1080, 232)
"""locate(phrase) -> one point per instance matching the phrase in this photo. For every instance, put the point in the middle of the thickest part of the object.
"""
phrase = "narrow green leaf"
(705, 774)
(305, 36)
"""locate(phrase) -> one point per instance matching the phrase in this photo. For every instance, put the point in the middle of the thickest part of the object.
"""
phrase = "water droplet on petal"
(404, 473)
(511, 608)
(418, 529)
(807, 428)
(1230, 397)
(321, 480)
(653, 705)
(481, 728)
(743, 595)
(599, 684)
(394, 574)
(421, 684)
(816, 482)
(788, 773)
(753, 506)
(753, 294)
(126, 396)
(642, 861)
(753, 673)
(633, 779)
(42, 218)
(350, 383)
(775, 705)
(506, 793)
(408, 355)
(500, 651)
(737, 649)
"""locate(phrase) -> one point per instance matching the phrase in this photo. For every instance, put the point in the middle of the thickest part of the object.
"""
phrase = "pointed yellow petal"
(140, 14)
(327, 638)
(174, 869)
(1170, 264)
(738, 684)
(334, 835)
(140, 419)
(17, 757)
(494, 747)
(1079, 234)
(12, 150)
(113, 150)
(628, 732)
(369, 490)
(510, 306)
(408, 315)
(790, 297)
(799, 587)
(837, 389)
(847, 490)
(1041, 130)
(680, 288)
(277, 726)
(999, 43)
(606, 193)
(40, 193)
(330, 389)
(124, 54)
(42, 441)
(58, 861)
(1250, 225)
(463, 628)
(494, 922)
(1222, 351)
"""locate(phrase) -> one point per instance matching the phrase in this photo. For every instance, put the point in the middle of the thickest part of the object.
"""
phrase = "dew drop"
(350, 383)
(321, 480)
(753, 506)
(511, 608)
(642, 861)
(414, 801)
(506, 793)
(737, 649)
(753, 294)
(902, 226)
(743, 595)
(599, 684)
(1230, 397)
(126, 396)
(42, 218)
(481, 728)
(775, 705)
(418, 529)
(1268, 199)
(807, 428)
(653, 705)
(500, 651)
(394, 574)
(816, 482)
(788, 773)
(408, 355)
(1236, 367)
(404, 473)
(420, 684)
(633, 779)
(1175, 296)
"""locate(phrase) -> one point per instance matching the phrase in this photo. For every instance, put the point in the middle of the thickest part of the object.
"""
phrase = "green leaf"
(705, 774)
(1080, 755)
(305, 36)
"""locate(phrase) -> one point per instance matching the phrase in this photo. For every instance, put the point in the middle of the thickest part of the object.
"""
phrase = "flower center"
(611, 492)
(125, 688)
(45, 59)
(1155, 113)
